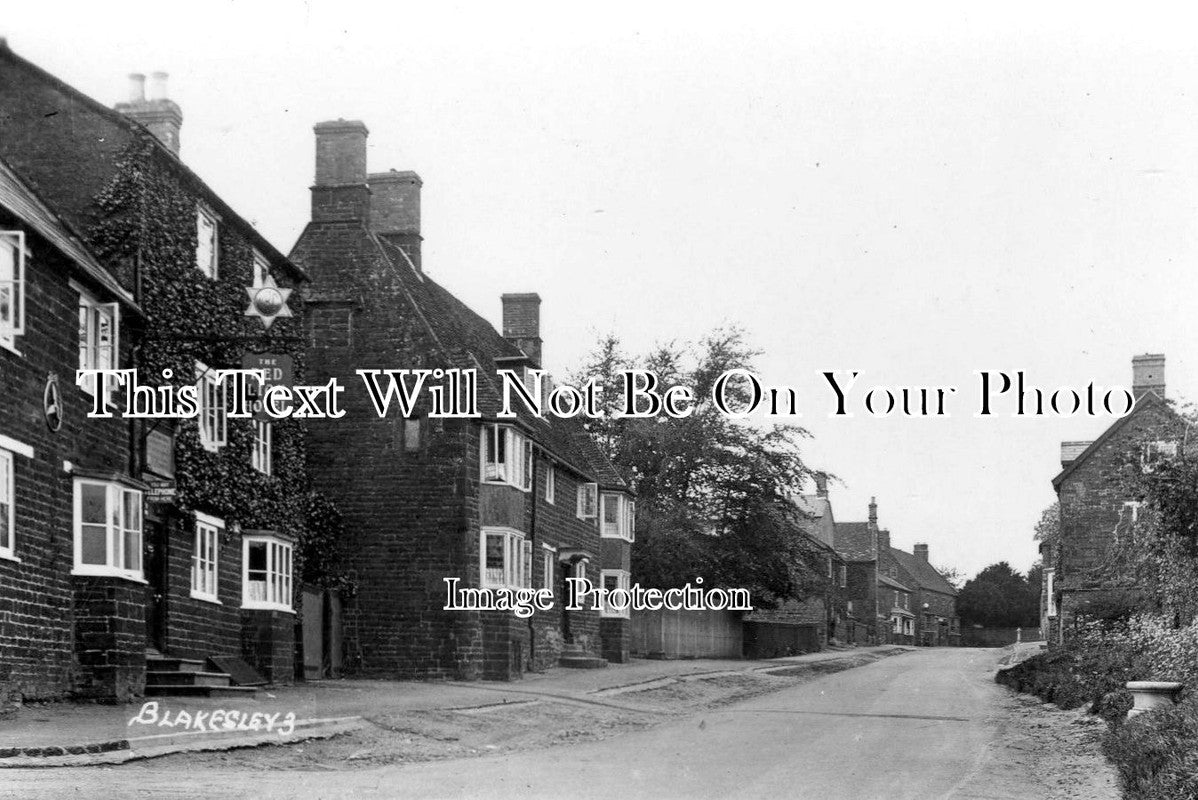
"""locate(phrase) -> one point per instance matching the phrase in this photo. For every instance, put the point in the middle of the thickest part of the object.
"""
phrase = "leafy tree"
(953, 575)
(1048, 528)
(999, 597)
(713, 492)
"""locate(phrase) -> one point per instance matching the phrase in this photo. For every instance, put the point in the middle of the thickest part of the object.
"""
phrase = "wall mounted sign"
(160, 452)
(277, 368)
(52, 403)
(267, 301)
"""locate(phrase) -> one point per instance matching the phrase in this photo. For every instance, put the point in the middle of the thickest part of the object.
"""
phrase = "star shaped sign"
(267, 301)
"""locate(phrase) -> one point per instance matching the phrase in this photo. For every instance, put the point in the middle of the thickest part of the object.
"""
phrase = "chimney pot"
(522, 323)
(137, 87)
(158, 86)
(1148, 374)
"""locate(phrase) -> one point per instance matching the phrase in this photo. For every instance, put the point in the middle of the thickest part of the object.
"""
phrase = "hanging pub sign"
(268, 300)
(277, 370)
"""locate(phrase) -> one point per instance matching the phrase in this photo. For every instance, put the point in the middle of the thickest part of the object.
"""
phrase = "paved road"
(920, 725)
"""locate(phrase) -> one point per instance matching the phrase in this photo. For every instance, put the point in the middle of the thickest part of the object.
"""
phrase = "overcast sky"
(912, 195)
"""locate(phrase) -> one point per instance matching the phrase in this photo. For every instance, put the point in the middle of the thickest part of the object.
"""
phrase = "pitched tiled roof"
(67, 145)
(891, 582)
(924, 573)
(1143, 402)
(465, 339)
(855, 541)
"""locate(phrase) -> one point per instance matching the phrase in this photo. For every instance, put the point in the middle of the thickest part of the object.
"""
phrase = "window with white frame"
(266, 572)
(506, 456)
(505, 558)
(213, 417)
(829, 567)
(619, 514)
(260, 456)
(207, 245)
(108, 529)
(8, 498)
(99, 338)
(611, 580)
(548, 568)
(588, 500)
(844, 576)
(12, 286)
(907, 626)
(898, 603)
(1050, 589)
(897, 621)
(550, 484)
(204, 557)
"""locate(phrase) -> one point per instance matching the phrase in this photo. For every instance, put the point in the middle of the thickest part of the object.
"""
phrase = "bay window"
(505, 558)
(108, 529)
(12, 286)
(266, 561)
(619, 517)
(506, 456)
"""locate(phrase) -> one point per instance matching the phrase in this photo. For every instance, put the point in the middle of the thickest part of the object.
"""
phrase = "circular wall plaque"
(52, 403)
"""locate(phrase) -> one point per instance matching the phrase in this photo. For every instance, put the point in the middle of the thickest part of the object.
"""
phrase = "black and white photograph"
(639, 400)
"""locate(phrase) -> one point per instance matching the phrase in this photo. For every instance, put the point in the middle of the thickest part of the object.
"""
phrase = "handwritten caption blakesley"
(214, 721)
(453, 394)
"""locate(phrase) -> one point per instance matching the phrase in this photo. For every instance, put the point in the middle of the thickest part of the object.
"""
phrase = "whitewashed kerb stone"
(1151, 695)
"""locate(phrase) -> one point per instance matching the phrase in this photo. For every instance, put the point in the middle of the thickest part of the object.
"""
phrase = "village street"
(923, 724)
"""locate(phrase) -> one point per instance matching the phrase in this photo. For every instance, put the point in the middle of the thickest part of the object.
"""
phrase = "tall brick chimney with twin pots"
(387, 202)
(157, 112)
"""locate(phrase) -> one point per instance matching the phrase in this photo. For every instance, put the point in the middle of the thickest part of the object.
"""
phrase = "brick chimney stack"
(883, 542)
(522, 323)
(340, 193)
(395, 210)
(159, 114)
(1148, 374)
(921, 551)
(821, 484)
(873, 511)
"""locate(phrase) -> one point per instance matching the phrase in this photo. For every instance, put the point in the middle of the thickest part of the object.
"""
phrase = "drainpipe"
(532, 532)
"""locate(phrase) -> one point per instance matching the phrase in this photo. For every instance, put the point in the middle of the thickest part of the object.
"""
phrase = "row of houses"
(876, 593)
(148, 556)
(1097, 509)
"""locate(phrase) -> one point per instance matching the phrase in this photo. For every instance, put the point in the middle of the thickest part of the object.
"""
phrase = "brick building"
(493, 500)
(935, 600)
(1096, 507)
(128, 540)
(906, 600)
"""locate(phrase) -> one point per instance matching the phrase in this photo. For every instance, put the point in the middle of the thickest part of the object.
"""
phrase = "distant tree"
(1048, 529)
(953, 575)
(999, 597)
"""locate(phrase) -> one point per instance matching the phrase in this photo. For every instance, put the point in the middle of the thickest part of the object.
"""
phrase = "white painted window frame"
(212, 268)
(276, 593)
(549, 568)
(205, 558)
(261, 453)
(623, 581)
(515, 467)
(16, 289)
(213, 419)
(8, 503)
(624, 526)
(93, 355)
(116, 528)
(517, 558)
(587, 501)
